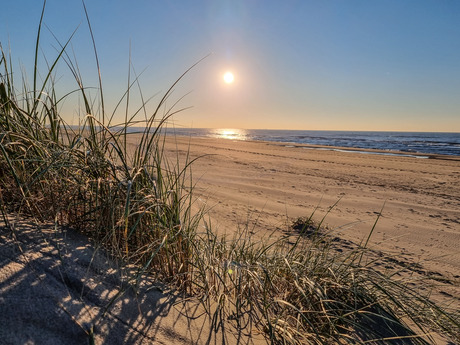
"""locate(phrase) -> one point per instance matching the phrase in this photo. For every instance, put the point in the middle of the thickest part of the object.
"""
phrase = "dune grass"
(138, 203)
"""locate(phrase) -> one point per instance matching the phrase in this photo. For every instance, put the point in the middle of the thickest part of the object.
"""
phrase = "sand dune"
(57, 288)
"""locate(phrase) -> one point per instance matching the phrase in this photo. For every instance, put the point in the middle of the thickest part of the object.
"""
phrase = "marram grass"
(139, 205)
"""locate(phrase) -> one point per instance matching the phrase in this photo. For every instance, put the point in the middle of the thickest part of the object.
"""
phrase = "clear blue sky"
(332, 65)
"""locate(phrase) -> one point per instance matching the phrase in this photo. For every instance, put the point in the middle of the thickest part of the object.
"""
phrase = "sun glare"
(228, 77)
(234, 134)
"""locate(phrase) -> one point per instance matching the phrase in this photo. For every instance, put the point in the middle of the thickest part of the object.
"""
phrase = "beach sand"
(55, 285)
(267, 185)
(58, 288)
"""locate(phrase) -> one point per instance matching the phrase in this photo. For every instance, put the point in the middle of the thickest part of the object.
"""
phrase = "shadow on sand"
(56, 288)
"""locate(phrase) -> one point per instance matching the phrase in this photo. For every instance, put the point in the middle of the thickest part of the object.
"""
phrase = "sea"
(400, 143)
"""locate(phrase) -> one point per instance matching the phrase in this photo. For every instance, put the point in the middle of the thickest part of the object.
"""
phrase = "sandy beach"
(53, 279)
(271, 184)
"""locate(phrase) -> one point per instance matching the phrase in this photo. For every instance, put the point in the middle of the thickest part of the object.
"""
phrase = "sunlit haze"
(228, 77)
(313, 65)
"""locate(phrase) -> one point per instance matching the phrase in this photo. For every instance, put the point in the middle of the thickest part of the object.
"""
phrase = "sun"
(228, 77)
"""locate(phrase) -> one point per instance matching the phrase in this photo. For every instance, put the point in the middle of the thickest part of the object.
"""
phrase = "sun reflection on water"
(230, 133)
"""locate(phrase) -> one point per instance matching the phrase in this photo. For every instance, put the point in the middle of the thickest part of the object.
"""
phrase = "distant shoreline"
(375, 152)
(422, 145)
(410, 144)
(418, 155)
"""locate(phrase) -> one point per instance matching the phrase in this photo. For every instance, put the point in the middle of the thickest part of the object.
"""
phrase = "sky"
(390, 65)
